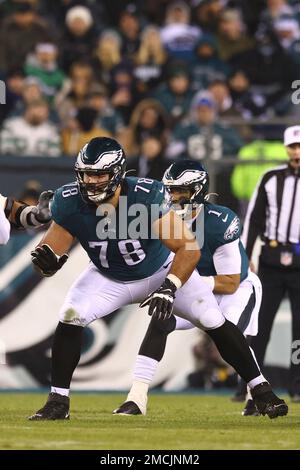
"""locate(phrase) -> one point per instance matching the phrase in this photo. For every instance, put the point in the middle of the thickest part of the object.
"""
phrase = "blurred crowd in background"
(197, 78)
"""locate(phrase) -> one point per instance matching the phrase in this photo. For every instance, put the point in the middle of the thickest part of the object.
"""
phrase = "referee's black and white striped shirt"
(274, 209)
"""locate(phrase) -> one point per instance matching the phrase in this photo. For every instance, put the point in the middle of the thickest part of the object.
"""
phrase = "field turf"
(173, 422)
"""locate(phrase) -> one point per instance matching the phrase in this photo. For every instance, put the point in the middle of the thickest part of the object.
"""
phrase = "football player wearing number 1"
(157, 270)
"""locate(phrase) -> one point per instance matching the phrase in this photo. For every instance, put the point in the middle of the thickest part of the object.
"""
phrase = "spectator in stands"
(31, 91)
(151, 161)
(56, 11)
(75, 93)
(202, 136)
(274, 10)
(14, 88)
(232, 38)
(226, 109)
(175, 95)
(20, 33)
(207, 14)
(246, 100)
(31, 134)
(129, 27)
(149, 60)
(178, 36)
(207, 66)
(43, 65)
(287, 30)
(107, 117)
(107, 55)
(123, 93)
(148, 118)
(84, 129)
(79, 38)
(270, 71)
(221, 95)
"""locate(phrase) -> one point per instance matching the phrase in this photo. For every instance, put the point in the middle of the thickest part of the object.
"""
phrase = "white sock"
(144, 369)
(61, 391)
(258, 380)
(143, 374)
(248, 396)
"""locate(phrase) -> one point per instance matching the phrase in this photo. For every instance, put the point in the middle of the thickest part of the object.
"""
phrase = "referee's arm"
(255, 221)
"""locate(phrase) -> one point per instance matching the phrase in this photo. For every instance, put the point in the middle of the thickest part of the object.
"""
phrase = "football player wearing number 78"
(155, 269)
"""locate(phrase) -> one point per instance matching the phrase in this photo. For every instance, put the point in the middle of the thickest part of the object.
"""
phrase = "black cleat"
(128, 408)
(267, 403)
(56, 407)
(250, 409)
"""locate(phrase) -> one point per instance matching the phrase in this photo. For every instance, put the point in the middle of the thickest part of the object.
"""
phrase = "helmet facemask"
(186, 204)
(98, 192)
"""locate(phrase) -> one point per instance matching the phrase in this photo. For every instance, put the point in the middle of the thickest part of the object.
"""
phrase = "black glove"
(161, 301)
(42, 210)
(46, 261)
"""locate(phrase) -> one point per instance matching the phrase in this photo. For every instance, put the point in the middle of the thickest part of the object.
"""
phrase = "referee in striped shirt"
(274, 215)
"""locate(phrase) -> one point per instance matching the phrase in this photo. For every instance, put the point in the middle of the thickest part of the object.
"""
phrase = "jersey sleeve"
(158, 200)
(233, 229)
(62, 210)
(225, 226)
(227, 258)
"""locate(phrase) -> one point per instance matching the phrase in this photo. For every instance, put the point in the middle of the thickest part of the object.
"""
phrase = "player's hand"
(42, 209)
(46, 261)
(161, 301)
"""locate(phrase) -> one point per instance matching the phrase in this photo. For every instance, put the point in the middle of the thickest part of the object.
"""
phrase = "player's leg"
(238, 308)
(92, 296)
(196, 303)
(150, 353)
(242, 308)
(153, 345)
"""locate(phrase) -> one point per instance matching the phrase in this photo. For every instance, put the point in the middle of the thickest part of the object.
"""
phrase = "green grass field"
(173, 422)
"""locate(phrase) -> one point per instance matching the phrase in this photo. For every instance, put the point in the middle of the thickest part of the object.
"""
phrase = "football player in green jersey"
(223, 266)
(133, 259)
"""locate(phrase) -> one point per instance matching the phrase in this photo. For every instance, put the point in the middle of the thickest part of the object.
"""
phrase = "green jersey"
(221, 226)
(108, 240)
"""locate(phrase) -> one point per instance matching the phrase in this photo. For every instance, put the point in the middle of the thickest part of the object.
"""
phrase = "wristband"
(176, 281)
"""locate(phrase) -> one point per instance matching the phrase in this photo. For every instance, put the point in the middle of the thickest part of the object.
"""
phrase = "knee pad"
(208, 319)
(71, 317)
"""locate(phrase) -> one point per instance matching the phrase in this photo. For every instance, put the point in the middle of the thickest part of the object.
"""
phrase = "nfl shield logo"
(286, 258)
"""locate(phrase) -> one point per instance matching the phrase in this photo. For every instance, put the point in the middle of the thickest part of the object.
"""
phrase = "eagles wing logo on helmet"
(233, 229)
(109, 158)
